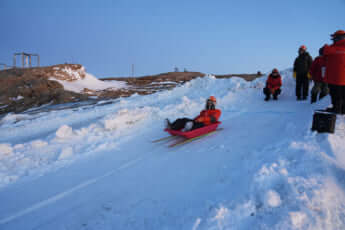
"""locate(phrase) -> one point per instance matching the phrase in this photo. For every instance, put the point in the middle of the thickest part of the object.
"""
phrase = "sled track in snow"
(70, 191)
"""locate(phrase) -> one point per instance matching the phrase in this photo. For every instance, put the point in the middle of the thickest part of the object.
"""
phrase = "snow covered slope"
(79, 81)
(95, 167)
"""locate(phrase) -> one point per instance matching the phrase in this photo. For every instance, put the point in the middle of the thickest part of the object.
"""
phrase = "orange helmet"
(338, 33)
(303, 47)
(212, 98)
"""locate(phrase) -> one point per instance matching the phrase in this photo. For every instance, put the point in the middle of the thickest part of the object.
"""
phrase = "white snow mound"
(89, 82)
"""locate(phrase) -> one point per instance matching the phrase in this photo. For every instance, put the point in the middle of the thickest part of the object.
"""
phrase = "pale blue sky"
(209, 36)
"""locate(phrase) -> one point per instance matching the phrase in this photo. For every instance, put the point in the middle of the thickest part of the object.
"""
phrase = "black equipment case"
(324, 122)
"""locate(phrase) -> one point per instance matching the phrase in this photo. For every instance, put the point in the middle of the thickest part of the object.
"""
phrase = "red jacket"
(316, 69)
(274, 83)
(208, 116)
(335, 63)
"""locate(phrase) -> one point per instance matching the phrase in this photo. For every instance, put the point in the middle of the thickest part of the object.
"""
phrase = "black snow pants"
(268, 93)
(337, 93)
(321, 89)
(302, 86)
(181, 122)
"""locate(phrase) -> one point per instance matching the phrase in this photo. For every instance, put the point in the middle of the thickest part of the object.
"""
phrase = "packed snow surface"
(95, 167)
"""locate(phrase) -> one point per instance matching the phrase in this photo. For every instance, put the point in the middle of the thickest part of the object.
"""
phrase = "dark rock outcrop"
(21, 89)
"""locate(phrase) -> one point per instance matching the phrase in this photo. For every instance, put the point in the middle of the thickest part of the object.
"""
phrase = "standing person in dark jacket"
(317, 72)
(335, 71)
(273, 84)
(301, 69)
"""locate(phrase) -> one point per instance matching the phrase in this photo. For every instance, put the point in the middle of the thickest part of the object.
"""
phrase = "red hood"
(340, 43)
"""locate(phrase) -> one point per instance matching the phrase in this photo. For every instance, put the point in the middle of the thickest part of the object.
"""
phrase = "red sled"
(195, 132)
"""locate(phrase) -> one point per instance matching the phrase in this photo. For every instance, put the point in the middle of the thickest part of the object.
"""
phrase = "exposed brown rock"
(21, 89)
(150, 84)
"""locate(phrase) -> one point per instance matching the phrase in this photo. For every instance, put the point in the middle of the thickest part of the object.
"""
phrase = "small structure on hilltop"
(26, 59)
(4, 66)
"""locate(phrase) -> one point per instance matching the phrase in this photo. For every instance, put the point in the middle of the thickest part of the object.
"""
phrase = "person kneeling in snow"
(208, 116)
(273, 84)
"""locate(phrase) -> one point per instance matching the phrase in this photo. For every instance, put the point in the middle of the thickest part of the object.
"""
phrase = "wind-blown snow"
(88, 82)
(95, 167)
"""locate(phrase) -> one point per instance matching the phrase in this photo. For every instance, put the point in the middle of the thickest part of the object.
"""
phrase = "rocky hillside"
(21, 89)
(150, 84)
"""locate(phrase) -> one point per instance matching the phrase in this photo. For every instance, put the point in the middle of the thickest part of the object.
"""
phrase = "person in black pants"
(301, 70)
(335, 71)
(337, 93)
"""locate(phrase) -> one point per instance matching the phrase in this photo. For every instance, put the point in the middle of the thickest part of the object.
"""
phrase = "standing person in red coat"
(207, 116)
(273, 84)
(335, 71)
(317, 72)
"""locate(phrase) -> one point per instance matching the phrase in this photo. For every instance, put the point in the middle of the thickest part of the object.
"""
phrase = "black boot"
(331, 109)
(167, 124)
(313, 98)
(275, 97)
(343, 110)
(267, 93)
(337, 108)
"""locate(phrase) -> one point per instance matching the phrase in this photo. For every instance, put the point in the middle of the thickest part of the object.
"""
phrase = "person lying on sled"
(208, 116)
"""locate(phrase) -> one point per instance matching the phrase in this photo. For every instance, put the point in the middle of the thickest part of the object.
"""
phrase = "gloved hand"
(272, 91)
(309, 75)
(200, 119)
(294, 75)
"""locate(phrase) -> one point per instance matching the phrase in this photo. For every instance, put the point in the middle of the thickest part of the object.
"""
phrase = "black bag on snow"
(324, 122)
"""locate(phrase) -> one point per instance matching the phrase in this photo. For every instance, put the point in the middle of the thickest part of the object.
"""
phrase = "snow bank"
(5, 149)
(64, 132)
(13, 118)
(125, 119)
(272, 199)
(38, 144)
(19, 97)
(66, 153)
